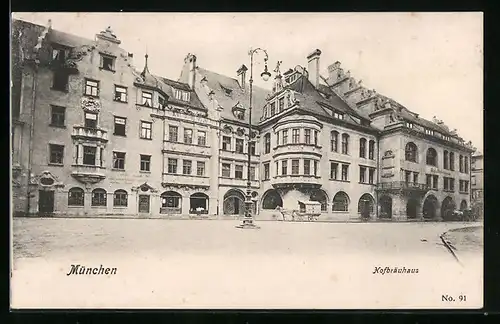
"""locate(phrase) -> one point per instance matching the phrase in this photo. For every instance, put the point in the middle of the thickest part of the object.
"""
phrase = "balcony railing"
(87, 173)
(297, 148)
(296, 180)
(90, 133)
(402, 185)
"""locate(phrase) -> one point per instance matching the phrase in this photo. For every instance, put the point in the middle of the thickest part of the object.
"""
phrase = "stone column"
(98, 156)
(185, 204)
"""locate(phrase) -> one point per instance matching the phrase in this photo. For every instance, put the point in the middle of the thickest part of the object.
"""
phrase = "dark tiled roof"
(194, 101)
(217, 82)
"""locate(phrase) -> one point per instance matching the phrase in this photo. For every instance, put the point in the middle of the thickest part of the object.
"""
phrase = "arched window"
(445, 160)
(320, 196)
(198, 203)
(431, 157)
(267, 143)
(76, 197)
(271, 200)
(362, 147)
(366, 201)
(334, 140)
(120, 198)
(340, 202)
(452, 161)
(371, 150)
(411, 152)
(345, 143)
(99, 197)
(170, 203)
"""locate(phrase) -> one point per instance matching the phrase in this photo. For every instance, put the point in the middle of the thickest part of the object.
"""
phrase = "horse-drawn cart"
(308, 210)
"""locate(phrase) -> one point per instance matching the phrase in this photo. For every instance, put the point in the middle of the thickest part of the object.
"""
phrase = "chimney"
(242, 72)
(190, 62)
(333, 71)
(313, 67)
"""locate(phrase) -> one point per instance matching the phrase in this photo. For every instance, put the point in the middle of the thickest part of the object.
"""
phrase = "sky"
(432, 63)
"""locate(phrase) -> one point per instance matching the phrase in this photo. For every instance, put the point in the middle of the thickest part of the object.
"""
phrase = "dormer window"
(161, 102)
(429, 132)
(409, 125)
(338, 115)
(291, 78)
(227, 91)
(239, 113)
(107, 62)
(59, 53)
(181, 95)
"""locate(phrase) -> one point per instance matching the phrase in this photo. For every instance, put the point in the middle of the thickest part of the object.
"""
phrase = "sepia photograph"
(246, 160)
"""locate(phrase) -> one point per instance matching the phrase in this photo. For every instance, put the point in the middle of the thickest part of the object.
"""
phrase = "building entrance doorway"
(411, 208)
(385, 207)
(144, 203)
(45, 202)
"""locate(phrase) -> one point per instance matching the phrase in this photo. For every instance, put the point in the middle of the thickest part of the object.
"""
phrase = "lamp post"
(248, 218)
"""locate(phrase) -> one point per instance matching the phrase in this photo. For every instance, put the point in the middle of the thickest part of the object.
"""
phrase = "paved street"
(178, 264)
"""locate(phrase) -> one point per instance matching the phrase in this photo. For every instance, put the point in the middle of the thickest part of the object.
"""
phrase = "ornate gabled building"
(93, 136)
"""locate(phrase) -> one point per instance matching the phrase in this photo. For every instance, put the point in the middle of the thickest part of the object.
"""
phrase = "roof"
(194, 100)
(311, 100)
(219, 83)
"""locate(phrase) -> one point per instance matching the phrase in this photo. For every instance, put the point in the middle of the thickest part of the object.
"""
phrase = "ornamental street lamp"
(248, 218)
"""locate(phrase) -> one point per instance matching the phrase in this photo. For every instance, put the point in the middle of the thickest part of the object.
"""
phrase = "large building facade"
(93, 136)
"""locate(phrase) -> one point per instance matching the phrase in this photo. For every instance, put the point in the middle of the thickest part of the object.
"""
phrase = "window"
(345, 144)
(252, 173)
(226, 143)
(415, 177)
(273, 109)
(89, 153)
(188, 136)
(226, 170)
(202, 138)
(315, 168)
(57, 116)
(119, 160)
(362, 174)
(284, 167)
(371, 176)
(146, 129)
(435, 181)
(307, 167)
(340, 202)
(161, 102)
(461, 163)
(431, 157)
(172, 165)
(239, 145)
(90, 120)
(295, 135)
(108, 63)
(170, 199)
(285, 136)
(120, 126)
(281, 104)
(238, 171)
(267, 143)
(295, 166)
(334, 170)
(428, 180)
(307, 136)
(277, 138)
(371, 150)
(466, 164)
(345, 172)
(445, 160)
(145, 162)
(59, 53)
(99, 197)
(186, 167)
(316, 138)
(452, 161)
(411, 152)
(338, 116)
(252, 148)
(120, 198)
(334, 136)
(173, 132)
(60, 81)
(181, 95)
(56, 153)
(362, 148)
(91, 88)
(200, 168)
(407, 176)
(120, 94)
(473, 178)
(147, 99)
(266, 171)
(76, 197)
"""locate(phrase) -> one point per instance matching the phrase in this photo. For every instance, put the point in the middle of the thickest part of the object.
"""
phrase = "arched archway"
(198, 203)
(271, 199)
(171, 202)
(411, 208)
(385, 203)
(366, 203)
(340, 202)
(447, 208)
(430, 207)
(463, 205)
(234, 202)
(321, 197)
(411, 152)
